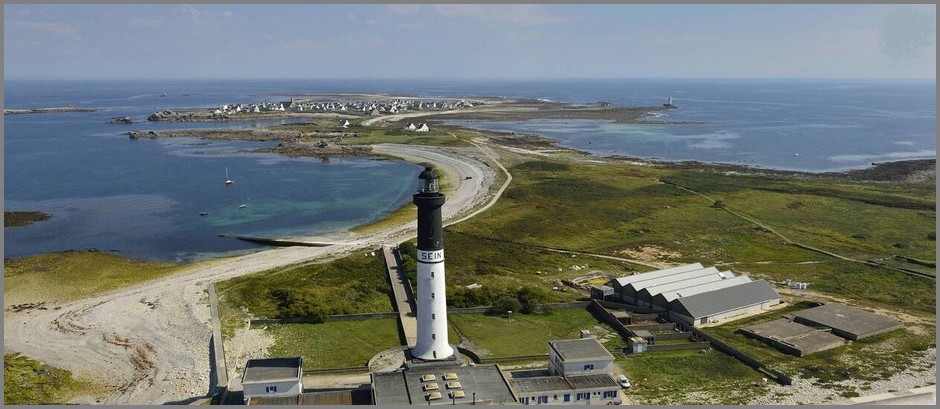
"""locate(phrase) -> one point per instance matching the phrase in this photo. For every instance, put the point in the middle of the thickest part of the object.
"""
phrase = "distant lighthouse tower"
(432, 301)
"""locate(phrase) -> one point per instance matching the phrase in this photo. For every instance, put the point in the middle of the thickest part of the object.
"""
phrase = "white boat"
(241, 206)
(227, 180)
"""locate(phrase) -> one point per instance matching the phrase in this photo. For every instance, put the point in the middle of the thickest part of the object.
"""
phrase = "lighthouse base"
(411, 360)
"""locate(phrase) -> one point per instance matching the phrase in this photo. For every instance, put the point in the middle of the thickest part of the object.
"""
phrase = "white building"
(422, 128)
(585, 356)
(411, 127)
(579, 373)
(273, 377)
(344, 123)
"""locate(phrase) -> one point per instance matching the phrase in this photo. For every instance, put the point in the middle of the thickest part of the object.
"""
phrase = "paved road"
(404, 303)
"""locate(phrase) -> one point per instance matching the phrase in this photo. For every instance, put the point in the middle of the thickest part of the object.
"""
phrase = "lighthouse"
(431, 341)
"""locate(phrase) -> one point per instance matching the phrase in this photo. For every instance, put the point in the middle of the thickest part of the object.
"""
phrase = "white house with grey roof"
(719, 305)
(273, 377)
(579, 373)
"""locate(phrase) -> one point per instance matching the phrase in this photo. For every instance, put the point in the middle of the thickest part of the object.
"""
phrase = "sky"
(176, 41)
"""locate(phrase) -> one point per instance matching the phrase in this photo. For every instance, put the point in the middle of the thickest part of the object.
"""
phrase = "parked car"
(624, 382)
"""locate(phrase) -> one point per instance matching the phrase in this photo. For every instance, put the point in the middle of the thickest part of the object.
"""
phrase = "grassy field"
(72, 275)
(334, 344)
(354, 284)
(30, 382)
(689, 378)
(526, 334)
(630, 212)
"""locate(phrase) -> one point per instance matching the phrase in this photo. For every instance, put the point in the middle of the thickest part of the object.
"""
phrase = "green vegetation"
(623, 210)
(355, 284)
(525, 334)
(334, 344)
(72, 275)
(689, 378)
(29, 382)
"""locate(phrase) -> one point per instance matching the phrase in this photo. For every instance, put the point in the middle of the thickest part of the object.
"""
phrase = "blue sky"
(468, 41)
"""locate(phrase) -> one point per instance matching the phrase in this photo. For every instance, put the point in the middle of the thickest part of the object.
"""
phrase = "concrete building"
(422, 128)
(273, 377)
(719, 305)
(585, 356)
(847, 322)
(442, 384)
(579, 373)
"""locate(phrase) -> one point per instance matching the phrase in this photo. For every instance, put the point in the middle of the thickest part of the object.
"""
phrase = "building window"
(270, 389)
(433, 336)
(588, 367)
(567, 397)
(610, 394)
(432, 316)
(432, 296)
(583, 396)
(432, 274)
(543, 399)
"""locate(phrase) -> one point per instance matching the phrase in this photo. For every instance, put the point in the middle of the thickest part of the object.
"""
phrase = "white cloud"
(521, 14)
(683, 40)
(304, 44)
(61, 30)
(198, 16)
(403, 9)
(524, 14)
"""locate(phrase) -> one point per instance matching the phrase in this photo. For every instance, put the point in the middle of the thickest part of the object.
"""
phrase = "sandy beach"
(149, 344)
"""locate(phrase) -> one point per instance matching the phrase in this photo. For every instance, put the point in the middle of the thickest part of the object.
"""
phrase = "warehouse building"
(723, 304)
(623, 285)
(644, 297)
(694, 294)
(661, 301)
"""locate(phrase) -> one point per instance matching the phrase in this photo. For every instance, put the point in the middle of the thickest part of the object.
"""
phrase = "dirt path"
(153, 353)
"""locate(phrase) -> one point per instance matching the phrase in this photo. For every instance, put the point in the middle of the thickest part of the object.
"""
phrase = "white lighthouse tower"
(432, 302)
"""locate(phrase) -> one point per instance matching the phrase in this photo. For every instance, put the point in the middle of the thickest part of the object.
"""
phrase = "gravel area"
(804, 391)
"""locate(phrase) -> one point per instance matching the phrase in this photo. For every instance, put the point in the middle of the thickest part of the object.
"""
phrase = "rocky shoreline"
(16, 219)
(47, 110)
(316, 150)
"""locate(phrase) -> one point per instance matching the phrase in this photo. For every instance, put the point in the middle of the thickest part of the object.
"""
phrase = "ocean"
(143, 198)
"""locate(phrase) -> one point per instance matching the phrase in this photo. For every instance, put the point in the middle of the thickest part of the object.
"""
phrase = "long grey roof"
(698, 289)
(623, 281)
(638, 286)
(724, 299)
(652, 291)
(543, 384)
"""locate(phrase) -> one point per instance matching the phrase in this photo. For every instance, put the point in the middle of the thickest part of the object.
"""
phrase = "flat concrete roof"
(799, 336)
(592, 381)
(272, 369)
(405, 388)
(539, 384)
(580, 349)
(848, 321)
(551, 384)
